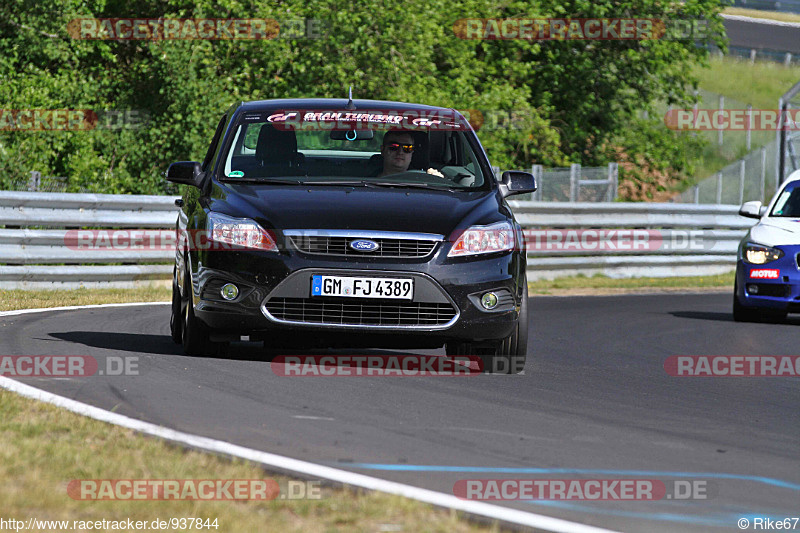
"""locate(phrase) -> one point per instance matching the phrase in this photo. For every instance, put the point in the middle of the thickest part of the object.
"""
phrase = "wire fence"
(751, 178)
(574, 184)
(39, 183)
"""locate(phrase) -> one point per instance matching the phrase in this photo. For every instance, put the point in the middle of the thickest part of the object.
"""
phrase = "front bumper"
(774, 286)
(264, 277)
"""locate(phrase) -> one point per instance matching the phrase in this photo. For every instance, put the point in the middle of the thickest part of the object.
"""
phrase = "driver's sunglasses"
(407, 148)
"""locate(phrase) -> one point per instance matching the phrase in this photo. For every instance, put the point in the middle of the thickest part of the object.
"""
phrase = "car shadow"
(237, 351)
(701, 315)
(728, 317)
(122, 342)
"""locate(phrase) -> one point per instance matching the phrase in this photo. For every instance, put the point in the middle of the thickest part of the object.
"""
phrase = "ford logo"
(364, 245)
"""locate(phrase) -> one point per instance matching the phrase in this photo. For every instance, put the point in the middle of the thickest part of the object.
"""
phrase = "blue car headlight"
(758, 254)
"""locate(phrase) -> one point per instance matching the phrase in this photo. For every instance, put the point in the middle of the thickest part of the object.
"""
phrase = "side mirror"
(516, 182)
(184, 173)
(752, 209)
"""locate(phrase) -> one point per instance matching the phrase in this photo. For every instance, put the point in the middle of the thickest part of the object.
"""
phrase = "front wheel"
(507, 356)
(176, 315)
(740, 312)
(195, 334)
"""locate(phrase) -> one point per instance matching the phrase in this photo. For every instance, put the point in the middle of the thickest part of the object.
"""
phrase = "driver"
(397, 149)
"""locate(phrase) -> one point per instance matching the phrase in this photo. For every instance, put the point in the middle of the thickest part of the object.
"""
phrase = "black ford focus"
(324, 222)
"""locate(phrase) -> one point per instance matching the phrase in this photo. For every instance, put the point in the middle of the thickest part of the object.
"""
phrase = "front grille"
(388, 247)
(774, 290)
(329, 311)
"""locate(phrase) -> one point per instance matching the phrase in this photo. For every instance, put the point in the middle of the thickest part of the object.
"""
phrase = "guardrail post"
(719, 188)
(752, 55)
(741, 181)
(613, 181)
(788, 59)
(749, 125)
(697, 194)
(35, 181)
(537, 172)
(574, 173)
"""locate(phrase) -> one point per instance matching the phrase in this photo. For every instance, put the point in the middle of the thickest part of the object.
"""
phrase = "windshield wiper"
(263, 181)
(334, 182)
(419, 185)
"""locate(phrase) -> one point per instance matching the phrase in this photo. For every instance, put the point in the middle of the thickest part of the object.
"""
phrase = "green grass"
(600, 283)
(756, 13)
(759, 84)
(43, 448)
(22, 299)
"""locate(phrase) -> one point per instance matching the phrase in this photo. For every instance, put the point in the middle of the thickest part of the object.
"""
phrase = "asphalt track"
(763, 35)
(595, 403)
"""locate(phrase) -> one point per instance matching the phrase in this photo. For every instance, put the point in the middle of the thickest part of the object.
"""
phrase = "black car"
(342, 223)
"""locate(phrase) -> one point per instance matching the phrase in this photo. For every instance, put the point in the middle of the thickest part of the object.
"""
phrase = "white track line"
(280, 462)
(74, 307)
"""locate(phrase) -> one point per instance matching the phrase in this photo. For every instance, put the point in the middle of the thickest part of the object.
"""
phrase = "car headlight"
(757, 254)
(240, 232)
(484, 240)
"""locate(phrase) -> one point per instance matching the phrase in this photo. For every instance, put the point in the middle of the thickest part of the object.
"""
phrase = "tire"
(507, 356)
(195, 334)
(740, 312)
(176, 315)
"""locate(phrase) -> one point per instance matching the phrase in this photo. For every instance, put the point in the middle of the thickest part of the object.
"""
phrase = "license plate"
(396, 288)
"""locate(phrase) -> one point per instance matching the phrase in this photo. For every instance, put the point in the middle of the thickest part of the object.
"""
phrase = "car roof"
(332, 104)
(794, 176)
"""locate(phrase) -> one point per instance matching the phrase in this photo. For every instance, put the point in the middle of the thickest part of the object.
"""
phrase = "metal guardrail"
(659, 240)
(33, 254)
(564, 238)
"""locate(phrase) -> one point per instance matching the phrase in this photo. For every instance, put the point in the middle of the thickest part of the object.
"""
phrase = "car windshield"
(788, 203)
(265, 151)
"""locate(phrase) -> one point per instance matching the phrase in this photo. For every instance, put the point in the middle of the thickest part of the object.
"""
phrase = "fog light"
(229, 291)
(752, 288)
(489, 300)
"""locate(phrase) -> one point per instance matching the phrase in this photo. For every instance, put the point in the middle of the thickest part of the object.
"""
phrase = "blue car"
(767, 283)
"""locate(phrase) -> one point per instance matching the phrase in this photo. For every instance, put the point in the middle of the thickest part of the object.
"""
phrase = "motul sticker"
(765, 273)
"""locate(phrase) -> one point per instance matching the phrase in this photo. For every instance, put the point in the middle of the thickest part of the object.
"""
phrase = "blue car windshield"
(788, 203)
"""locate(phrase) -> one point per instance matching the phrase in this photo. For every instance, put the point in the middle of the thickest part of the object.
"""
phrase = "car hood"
(775, 231)
(284, 207)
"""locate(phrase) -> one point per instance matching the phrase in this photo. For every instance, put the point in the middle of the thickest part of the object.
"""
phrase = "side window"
(214, 147)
